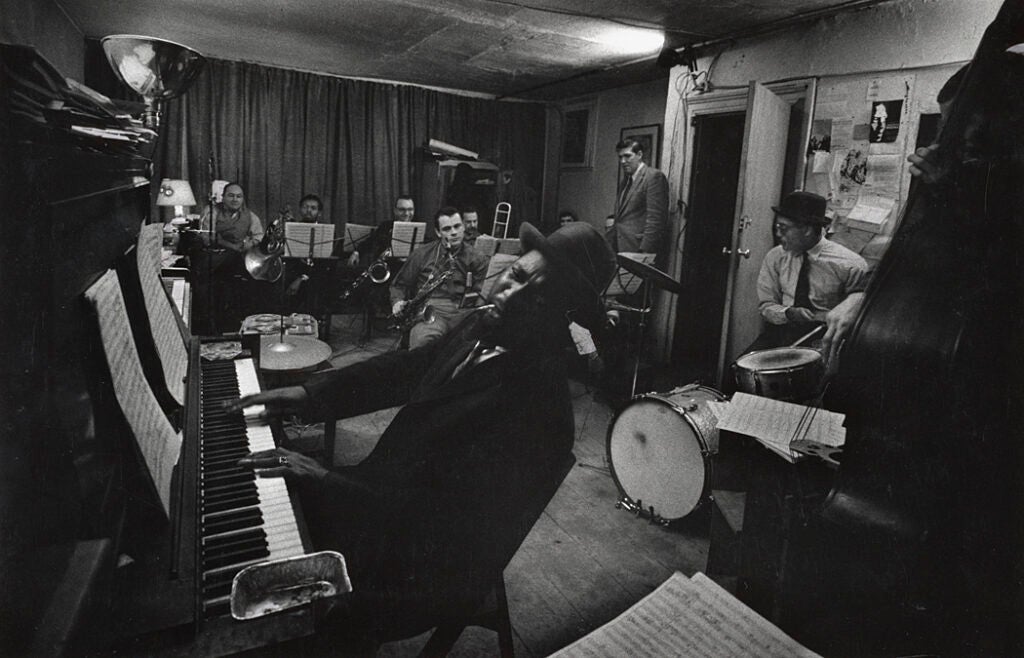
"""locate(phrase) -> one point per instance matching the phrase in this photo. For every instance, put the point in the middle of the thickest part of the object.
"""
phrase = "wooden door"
(711, 209)
(761, 170)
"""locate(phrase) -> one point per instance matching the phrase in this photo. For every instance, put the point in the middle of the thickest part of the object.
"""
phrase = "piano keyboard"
(245, 519)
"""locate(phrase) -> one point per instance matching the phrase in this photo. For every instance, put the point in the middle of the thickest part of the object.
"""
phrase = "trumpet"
(377, 272)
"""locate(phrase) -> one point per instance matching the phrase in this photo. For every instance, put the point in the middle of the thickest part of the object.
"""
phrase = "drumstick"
(808, 335)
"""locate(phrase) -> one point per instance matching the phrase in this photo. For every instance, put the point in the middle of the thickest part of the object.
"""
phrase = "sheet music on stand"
(782, 426)
(304, 240)
(355, 235)
(627, 283)
(690, 618)
(406, 236)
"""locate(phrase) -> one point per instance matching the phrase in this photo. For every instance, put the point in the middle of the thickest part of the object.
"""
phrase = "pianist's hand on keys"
(280, 462)
(277, 401)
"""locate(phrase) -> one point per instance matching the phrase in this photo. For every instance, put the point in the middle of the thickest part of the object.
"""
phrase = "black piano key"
(214, 561)
(253, 534)
(249, 519)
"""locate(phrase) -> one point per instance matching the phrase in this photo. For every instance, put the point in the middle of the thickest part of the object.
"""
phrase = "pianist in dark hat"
(428, 518)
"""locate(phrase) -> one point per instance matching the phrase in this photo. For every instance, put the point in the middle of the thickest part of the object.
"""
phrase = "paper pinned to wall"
(871, 212)
(883, 175)
(842, 133)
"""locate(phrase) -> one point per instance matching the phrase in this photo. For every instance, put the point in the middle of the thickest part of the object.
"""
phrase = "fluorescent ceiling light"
(631, 40)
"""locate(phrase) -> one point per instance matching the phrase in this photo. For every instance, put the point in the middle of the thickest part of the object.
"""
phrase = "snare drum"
(784, 373)
(659, 450)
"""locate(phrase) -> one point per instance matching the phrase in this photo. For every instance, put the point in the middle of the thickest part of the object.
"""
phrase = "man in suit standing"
(641, 208)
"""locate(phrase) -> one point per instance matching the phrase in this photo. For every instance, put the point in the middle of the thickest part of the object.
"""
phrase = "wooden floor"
(584, 561)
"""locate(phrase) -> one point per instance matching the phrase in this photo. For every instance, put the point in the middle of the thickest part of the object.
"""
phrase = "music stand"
(405, 236)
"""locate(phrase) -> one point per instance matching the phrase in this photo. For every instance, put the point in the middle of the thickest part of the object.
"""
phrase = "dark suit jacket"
(423, 519)
(641, 219)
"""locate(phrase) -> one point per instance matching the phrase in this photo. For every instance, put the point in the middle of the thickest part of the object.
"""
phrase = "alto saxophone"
(416, 308)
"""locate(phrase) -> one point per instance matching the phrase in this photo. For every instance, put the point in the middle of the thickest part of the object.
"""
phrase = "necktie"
(625, 191)
(802, 296)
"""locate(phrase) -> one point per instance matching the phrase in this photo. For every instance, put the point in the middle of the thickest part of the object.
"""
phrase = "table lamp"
(177, 193)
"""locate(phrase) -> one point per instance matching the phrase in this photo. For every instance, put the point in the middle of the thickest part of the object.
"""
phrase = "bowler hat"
(583, 264)
(803, 207)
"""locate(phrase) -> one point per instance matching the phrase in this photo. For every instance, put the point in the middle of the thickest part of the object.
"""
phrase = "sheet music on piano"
(158, 443)
(406, 236)
(169, 344)
(306, 240)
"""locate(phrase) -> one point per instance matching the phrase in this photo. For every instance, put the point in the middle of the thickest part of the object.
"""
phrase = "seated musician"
(429, 261)
(230, 224)
(486, 418)
(404, 210)
(471, 220)
(221, 284)
(299, 271)
(806, 275)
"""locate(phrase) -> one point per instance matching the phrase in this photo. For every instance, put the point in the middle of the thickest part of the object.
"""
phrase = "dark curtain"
(284, 133)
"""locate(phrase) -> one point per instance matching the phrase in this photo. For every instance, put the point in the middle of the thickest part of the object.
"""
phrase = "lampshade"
(174, 192)
(154, 68)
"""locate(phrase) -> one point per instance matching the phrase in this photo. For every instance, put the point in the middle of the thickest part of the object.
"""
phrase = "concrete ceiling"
(535, 49)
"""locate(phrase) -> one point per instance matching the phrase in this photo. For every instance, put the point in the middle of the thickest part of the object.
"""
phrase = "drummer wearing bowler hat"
(805, 275)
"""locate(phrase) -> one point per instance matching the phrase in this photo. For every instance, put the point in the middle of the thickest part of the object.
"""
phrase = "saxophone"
(416, 309)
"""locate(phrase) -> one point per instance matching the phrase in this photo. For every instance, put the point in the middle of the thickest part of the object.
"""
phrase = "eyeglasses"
(783, 228)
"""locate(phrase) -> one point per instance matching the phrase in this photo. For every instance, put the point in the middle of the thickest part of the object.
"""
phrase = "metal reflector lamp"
(154, 68)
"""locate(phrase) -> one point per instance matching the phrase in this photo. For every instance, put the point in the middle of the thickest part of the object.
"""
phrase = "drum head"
(778, 359)
(656, 457)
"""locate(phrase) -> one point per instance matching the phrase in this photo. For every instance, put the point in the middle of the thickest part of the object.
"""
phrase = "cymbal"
(293, 353)
(648, 273)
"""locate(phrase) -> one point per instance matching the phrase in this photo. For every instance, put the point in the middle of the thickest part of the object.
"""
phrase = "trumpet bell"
(263, 267)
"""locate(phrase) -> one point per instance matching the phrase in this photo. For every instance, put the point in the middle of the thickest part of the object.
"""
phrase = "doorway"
(711, 209)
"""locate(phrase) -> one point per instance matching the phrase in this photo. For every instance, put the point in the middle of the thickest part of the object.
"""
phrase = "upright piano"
(90, 562)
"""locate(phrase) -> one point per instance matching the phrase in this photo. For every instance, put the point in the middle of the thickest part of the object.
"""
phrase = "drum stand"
(644, 309)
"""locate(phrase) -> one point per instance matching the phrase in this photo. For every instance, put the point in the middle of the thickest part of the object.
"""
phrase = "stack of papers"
(41, 99)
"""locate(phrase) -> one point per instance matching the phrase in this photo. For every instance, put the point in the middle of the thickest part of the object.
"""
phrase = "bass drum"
(659, 450)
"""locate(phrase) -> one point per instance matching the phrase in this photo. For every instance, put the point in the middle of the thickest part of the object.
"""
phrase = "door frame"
(714, 102)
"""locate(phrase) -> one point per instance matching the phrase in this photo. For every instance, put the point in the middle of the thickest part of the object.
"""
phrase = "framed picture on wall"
(650, 139)
(579, 134)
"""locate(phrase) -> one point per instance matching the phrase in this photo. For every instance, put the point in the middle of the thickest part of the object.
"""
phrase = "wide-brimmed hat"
(583, 264)
(803, 207)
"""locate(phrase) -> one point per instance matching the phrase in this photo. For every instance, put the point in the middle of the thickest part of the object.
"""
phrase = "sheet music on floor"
(158, 443)
(778, 424)
(170, 346)
(627, 283)
(306, 240)
(406, 236)
(687, 617)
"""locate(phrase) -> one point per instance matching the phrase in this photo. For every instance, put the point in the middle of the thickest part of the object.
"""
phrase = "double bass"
(917, 547)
